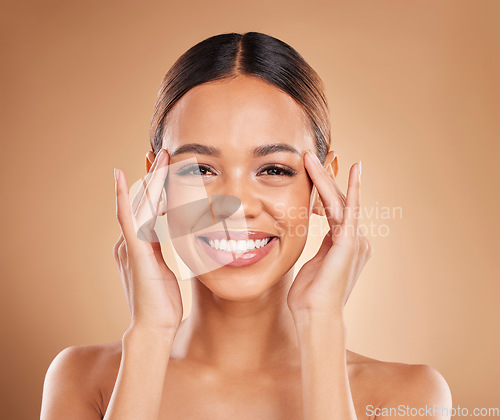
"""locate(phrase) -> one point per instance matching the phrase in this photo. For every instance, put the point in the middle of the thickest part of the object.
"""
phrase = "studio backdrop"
(413, 91)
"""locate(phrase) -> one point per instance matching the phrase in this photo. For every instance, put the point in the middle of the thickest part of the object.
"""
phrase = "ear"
(150, 158)
(332, 167)
(332, 163)
(162, 206)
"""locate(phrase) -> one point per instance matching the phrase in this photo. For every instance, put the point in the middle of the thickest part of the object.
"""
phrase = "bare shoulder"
(78, 376)
(394, 384)
(88, 361)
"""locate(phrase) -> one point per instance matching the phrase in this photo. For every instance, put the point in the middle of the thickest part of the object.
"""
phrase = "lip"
(234, 259)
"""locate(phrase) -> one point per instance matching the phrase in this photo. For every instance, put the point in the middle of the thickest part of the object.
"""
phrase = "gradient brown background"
(414, 93)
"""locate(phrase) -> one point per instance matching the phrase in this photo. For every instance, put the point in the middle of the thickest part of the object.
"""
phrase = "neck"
(236, 336)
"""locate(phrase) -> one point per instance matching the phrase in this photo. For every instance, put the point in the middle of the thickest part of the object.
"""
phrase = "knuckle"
(365, 247)
(116, 247)
(122, 251)
(369, 250)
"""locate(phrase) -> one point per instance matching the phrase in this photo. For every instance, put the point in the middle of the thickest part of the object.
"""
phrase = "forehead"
(237, 115)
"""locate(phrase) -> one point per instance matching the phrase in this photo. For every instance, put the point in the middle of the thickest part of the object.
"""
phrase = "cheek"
(185, 208)
(290, 210)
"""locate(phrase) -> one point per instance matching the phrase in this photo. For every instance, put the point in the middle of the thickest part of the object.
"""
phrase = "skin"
(258, 343)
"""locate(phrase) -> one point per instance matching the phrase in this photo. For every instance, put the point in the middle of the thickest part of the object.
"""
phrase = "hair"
(254, 54)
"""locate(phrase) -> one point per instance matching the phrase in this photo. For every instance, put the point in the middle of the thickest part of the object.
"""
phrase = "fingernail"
(116, 174)
(313, 155)
(162, 154)
(360, 167)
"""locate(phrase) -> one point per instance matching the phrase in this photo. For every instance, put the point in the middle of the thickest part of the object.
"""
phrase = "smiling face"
(236, 150)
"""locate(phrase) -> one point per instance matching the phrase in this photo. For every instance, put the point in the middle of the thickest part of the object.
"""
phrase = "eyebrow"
(259, 151)
(200, 149)
(273, 148)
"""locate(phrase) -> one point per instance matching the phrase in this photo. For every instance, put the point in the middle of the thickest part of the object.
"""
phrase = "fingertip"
(353, 174)
(163, 159)
(313, 157)
(163, 154)
(121, 185)
(166, 157)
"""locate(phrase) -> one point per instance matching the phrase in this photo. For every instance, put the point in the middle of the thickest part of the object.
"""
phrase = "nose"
(245, 192)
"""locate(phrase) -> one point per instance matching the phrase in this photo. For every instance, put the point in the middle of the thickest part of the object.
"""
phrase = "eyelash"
(289, 172)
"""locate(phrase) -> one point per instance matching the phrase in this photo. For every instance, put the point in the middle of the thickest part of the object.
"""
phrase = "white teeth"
(262, 242)
(238, 246)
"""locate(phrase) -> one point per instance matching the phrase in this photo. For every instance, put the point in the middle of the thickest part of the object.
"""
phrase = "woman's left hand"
(324, 283)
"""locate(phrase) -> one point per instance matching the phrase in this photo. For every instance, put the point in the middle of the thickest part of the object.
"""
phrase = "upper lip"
(236, 234)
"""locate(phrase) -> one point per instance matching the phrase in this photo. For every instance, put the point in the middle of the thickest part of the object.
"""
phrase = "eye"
(275, 170)
(195, 170)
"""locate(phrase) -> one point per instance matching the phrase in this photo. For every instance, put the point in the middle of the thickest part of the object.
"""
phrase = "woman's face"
(236, 172)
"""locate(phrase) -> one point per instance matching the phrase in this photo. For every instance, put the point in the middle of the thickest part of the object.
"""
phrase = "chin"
(238, 287)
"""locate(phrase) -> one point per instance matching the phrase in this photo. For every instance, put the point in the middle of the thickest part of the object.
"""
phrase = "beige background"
(414, 93)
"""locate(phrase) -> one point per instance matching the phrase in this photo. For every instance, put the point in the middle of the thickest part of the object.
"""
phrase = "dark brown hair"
(254, 54)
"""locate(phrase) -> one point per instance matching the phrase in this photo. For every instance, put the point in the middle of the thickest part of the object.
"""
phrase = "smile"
(235, 248)
(238, 247)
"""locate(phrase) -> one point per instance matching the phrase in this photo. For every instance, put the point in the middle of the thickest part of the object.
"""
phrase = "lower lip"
(235, 259)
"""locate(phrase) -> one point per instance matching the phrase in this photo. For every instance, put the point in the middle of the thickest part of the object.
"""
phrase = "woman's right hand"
(151, 288)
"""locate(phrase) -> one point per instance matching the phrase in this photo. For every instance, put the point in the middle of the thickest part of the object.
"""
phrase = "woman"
(242, 121)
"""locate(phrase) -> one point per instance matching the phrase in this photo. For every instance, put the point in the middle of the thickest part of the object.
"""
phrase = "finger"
(339, 192)
(139, 196)
(116, 247)
(365, 247)
(325, 245)
(147, 210)
(157, 182)
(331, 174)
(341, 197)
(153, 184)
(329, 193)
(123, 210)
(352, 207)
